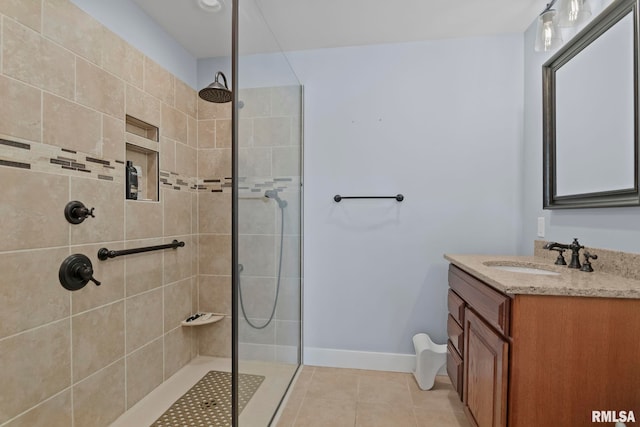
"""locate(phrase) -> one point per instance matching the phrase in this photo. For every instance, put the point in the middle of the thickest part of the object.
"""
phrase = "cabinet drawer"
(494, 307)
(454, 368)
(455, 333)
(456, 307)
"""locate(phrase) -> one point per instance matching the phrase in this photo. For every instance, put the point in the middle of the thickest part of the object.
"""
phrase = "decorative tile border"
(40, 157)
(250, 184)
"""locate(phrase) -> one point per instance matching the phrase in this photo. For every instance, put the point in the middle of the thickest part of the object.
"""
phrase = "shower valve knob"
(75, 212)
(75, 272)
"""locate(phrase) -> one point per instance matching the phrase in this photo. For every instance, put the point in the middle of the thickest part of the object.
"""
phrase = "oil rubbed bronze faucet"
(560, 247)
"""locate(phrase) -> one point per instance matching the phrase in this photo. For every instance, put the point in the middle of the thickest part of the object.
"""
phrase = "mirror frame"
(611, 198)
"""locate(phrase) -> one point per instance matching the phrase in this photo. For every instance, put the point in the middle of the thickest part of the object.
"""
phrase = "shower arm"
(224, 79)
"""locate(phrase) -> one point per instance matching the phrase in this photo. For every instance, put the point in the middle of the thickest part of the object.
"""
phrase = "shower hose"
(275, 301)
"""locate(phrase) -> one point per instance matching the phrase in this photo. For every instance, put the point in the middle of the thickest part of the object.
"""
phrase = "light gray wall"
(441, 123)
(610, 228)
(127, 20)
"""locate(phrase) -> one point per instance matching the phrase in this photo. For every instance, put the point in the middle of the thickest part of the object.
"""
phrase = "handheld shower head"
(273, 194)
(217, 92)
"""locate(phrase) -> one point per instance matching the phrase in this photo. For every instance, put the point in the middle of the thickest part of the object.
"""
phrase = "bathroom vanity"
(543, 345)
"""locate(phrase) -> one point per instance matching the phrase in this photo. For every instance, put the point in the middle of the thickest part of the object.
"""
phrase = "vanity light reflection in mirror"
(590, 114)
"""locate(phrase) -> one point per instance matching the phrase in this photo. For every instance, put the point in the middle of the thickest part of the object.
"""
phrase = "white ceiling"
(314, 24)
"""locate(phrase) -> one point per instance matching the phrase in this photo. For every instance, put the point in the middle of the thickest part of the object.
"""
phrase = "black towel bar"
(398, 197)
(105, 253)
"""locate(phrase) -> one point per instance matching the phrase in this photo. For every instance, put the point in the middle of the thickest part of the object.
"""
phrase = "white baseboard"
(373, 361)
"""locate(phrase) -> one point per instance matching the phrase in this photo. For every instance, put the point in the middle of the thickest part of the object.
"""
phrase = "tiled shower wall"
(66, 84)
(269, 158)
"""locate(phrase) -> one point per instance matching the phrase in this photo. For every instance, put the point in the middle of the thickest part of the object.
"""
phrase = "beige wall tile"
(28, 13)
(41, 354)
(113, 146)
(98, 339)
(207, 133)
(107, 197)
(290, 256)
(159, 82)
(258, 255)
(143, 271)
(143, 106)
(257, 102)
(223, 133)
(178, 263)
(167, 155)
(194, 210)
(144, 319)
(286, 161)
(272, 131)
(215, 339)
(288, 333)
(20, 110)
(215, 294)
(186, 99)
(214, 212)
(86, 133)
(177, 350)
(214, 254)
(99, 400)
(257, 216)
(186, 162)
(31, 280)
(177, 212)
(122, 59)
(211, 110)
(99, 89)
(245, 132)
(258, 295)
(265, 336)
(174, 124)
(291, 214)
(177, 303)
(143, 219)
(28, 200)
(286, 100)
(214, 163)
(29, 57)
(192, 131)
(74, 29)
(255, 161)
(144, 371)
(289, 299)
(110, 273)
(53, 412)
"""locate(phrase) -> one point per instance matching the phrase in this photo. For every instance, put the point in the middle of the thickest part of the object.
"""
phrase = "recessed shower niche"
(141, 168)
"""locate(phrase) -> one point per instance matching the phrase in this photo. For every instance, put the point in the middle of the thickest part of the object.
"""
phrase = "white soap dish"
(202, 319)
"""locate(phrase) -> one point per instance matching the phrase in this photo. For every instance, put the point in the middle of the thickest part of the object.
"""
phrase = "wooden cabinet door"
(486, 358)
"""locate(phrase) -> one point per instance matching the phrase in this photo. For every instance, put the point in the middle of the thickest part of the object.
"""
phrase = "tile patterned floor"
(350, 397)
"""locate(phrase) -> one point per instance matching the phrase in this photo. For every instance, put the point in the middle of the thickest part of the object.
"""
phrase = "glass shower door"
(267, 220)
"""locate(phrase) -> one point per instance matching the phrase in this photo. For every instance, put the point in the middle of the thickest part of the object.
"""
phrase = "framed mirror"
(590, 120)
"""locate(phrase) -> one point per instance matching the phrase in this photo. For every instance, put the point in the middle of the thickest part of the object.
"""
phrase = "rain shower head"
(216, 92)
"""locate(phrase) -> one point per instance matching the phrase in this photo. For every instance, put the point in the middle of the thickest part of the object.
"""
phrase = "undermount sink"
(522, 269)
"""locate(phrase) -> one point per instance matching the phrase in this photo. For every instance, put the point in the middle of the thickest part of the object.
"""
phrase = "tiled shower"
(68, 85)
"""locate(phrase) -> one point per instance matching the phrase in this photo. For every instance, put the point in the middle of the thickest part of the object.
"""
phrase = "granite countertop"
(570, 282)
